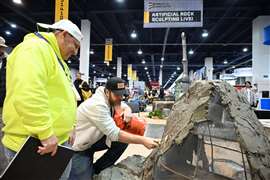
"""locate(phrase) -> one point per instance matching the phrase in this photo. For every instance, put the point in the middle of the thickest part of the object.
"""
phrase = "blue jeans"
(10, 155)
(82, 162)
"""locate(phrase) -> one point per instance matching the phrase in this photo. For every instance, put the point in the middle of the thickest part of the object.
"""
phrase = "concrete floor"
(154, 131)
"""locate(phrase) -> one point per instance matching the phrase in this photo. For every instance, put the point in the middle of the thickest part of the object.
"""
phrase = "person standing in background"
(256, 92)
(3, 62)
(77, 83)
(82, 88)
(161, 94)
(249, 94)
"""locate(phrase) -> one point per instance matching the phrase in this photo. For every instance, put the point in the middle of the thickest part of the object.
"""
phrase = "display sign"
(101, 80)
(61, 10)
(108, 50)
(267, 35)
(243, 72)
(173, 13)
(140, 85)
(264, 104)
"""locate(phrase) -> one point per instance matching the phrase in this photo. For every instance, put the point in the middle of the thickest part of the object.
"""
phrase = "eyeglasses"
(76, 42)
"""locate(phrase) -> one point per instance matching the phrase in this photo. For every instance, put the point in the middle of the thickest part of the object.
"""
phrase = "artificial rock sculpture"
(211, 133)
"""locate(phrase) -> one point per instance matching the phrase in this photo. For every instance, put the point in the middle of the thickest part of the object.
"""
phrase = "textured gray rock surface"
(128, 169)
(218, 104)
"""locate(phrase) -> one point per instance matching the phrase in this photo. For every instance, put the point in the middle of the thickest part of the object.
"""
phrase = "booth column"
(119, 67)
(94, 82)
(85, 49)
(160, 77)
(208, 62)
(260, 54)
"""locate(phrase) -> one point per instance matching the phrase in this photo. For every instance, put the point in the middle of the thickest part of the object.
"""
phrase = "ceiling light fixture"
(8, 33)
(145, 68)
(120, 1)
(162, 59)
(205, 34)
(143, 61)
(17, 1)
(191, 52)
(245, 49)
(225, 62)
(133, 35)
(178, 68)
(13, 25)
(140, 52)
(92, 51)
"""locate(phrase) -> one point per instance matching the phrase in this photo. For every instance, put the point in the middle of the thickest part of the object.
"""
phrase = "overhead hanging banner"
(129, 70)
(108, 50)
(154, 84)
(134, 75)
(173, 13)
(61, 10)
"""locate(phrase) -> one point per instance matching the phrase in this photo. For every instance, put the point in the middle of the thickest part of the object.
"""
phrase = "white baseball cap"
(65, 25)
(2, 42)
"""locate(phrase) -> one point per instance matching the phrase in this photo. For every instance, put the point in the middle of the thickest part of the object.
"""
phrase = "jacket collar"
(50, 37)
(101, 93)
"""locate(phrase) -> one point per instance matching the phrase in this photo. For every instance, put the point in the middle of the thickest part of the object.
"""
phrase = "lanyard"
(59, 61)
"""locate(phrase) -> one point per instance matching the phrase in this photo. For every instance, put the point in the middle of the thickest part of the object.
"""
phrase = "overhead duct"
(183, 83)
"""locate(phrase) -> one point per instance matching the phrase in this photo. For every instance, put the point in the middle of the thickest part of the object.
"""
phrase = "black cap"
(116, 85)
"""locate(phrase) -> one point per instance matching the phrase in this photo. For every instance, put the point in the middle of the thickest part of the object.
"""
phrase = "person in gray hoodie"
(96, 131)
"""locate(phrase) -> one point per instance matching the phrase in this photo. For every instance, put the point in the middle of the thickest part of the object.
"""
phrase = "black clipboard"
(29, 165)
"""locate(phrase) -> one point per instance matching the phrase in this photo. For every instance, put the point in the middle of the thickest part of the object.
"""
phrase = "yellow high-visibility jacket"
(39, 101)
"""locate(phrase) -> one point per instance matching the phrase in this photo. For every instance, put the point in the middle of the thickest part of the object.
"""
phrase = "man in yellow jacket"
(39, 100)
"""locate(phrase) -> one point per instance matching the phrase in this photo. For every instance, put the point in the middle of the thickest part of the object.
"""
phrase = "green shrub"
(156, 113)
